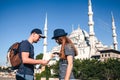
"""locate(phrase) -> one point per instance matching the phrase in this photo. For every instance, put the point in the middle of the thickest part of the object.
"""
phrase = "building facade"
(87, 44)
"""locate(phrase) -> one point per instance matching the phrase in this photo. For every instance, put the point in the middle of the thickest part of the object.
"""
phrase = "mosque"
(87, 44)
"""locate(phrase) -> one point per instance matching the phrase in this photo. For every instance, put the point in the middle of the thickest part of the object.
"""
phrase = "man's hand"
(45, 62)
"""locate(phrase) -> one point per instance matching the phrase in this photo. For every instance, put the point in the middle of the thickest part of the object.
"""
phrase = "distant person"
(67, 53)
(26, 69)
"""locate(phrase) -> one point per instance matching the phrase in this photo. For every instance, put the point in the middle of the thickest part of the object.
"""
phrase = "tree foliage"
(94, 70)
(90, 69)
(55, 69)
(39, 56)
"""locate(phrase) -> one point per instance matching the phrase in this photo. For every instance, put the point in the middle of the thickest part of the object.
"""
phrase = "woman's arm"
(69, 67)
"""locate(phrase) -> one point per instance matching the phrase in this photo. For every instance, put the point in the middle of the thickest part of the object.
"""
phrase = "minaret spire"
(114, 35)
(45, 39)
(45, 43)
(91, 29)
(45, 33)
(91, 22)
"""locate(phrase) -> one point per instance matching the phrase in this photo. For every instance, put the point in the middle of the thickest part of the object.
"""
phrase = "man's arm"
(27, 60)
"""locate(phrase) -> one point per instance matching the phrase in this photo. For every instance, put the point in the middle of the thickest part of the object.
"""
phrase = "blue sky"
(19, 17)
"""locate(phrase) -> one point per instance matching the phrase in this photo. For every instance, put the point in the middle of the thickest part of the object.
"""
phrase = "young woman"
(67, 53)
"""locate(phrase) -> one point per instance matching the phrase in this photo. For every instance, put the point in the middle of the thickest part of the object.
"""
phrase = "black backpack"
(13, 56)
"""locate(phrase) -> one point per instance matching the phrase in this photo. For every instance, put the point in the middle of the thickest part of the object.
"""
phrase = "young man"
(67, 53)
(26, 69)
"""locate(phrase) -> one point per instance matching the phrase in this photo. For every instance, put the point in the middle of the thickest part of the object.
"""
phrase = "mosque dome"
(79, 35)
(76, 32)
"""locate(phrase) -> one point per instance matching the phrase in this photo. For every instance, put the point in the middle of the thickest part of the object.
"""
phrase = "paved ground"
(5, 78)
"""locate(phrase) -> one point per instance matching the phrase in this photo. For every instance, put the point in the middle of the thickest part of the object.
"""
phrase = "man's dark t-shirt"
(28, 69)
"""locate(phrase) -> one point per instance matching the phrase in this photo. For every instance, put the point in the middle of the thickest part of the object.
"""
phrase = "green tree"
(76, 68)
(87, 69)
(90, 70)
(55, 68)
(39, 56)
(112, 69)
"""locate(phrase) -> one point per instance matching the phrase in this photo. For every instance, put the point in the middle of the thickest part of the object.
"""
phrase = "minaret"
(45, 39)
(114, 35)
(91, 29)
(45, 43)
